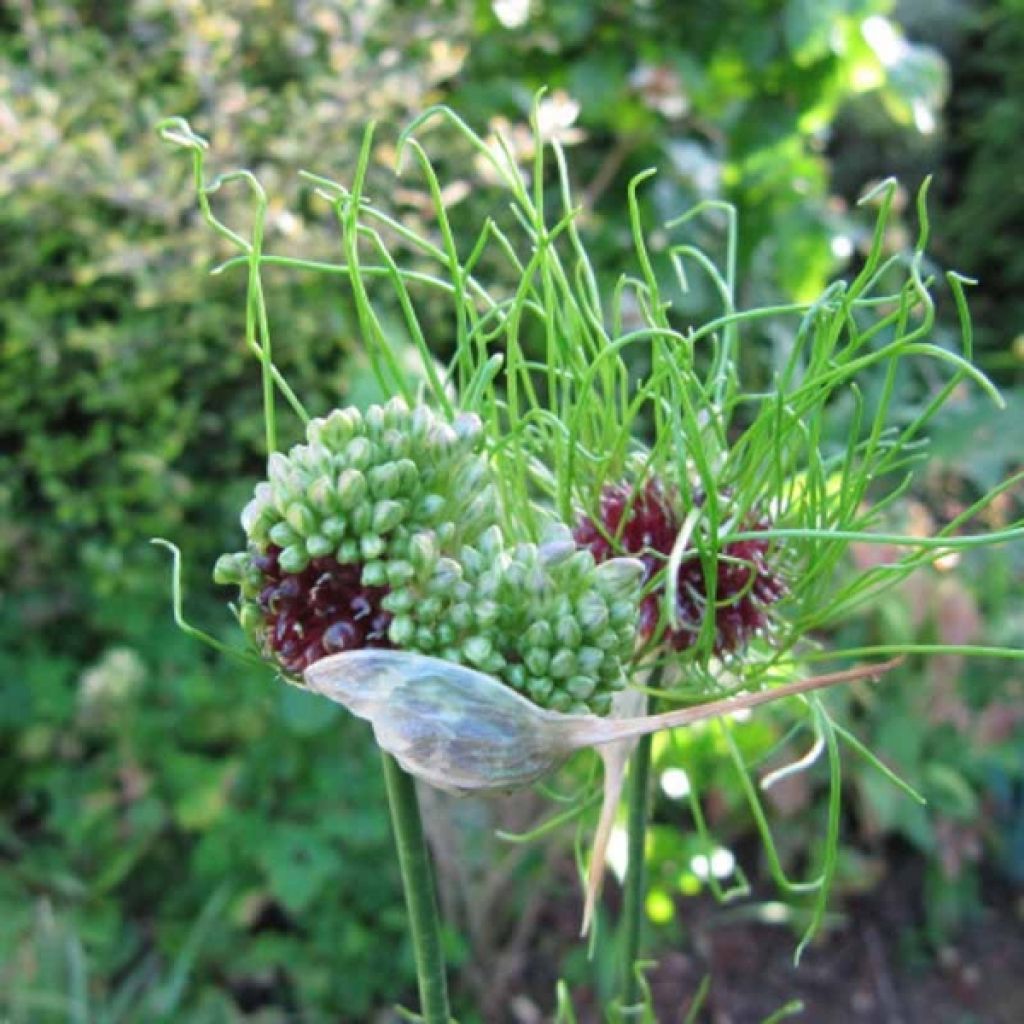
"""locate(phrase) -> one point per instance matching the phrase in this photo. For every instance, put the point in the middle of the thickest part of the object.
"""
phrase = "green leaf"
(298, 864)
(808, 27)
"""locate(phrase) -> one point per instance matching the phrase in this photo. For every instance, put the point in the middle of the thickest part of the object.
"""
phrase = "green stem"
(636, 882)
(418, 883)
(633, 902)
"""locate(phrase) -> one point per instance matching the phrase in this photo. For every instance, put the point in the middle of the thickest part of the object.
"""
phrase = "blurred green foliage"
(180, 841)
(986, 181)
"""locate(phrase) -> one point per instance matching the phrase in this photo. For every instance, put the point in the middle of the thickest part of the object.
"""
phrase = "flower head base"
(645, 522)
(382, 531)
(325, 609)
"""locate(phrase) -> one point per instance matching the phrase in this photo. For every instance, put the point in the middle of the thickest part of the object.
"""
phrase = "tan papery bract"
(466, 732)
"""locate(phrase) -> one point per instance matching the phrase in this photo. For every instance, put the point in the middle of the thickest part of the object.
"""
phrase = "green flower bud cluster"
(545, 619)
(364, 485)
(394, 512)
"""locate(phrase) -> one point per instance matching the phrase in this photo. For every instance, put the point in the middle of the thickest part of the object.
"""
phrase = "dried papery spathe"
(465, 732)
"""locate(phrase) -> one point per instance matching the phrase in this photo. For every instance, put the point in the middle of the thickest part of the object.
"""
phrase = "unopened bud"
(321, 495)
(430, 507)
(467, 426)
(384, 481)
(360, 518)
(560, 701)
(395, 444)
(333, 528)
(578, 565)
(516, 675)
(423, 553)
(469, 478)
(402, 630)
(486, 612)
(256, 510)
(420, 422)
(537, 660)
(581, 687)
(400, 573)
(374, 574)
(514, 577)
(539, 634)
(229, 569)
(399, 601)
(387, 515)
(491, 542)
(442, 438)
(351, 489)
(301, 519)
(447, 573)
(540, 689)
(408, 476)
(589, 660)
(482, 510)
(338, 428)
(280, 472)
(556, 552)
(283, 535)
(250, 618)
(623, 613)
(461, 616)
(348, 551)
(592, 613)
(489, 583)
(568, 632)
(318, 546)
(477, 650)
(495, 664)
(374, 420)
(293, 559)
(473, 562)
(618, 576)
(371, 546)
(359, 453)
(563, 664)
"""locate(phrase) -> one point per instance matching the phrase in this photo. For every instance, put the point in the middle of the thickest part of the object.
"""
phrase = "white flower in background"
(661, 89)
(556, 122)
(556, 115)
(512, 13)
(112, 681)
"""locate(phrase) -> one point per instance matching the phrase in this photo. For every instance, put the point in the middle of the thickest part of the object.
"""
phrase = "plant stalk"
(635, 893)
(418, 884)
(636, 881)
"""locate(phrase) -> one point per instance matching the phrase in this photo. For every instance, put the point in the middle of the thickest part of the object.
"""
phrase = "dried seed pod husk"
(456, 728)
(465, 732)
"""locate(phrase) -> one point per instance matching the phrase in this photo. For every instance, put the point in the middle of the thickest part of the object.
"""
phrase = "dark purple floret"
(747, 583)
(325, 609)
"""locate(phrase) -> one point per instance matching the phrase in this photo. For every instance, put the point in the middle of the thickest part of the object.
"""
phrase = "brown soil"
(873, 966)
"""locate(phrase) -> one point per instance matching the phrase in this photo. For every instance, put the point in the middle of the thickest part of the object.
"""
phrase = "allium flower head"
(382, 530)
